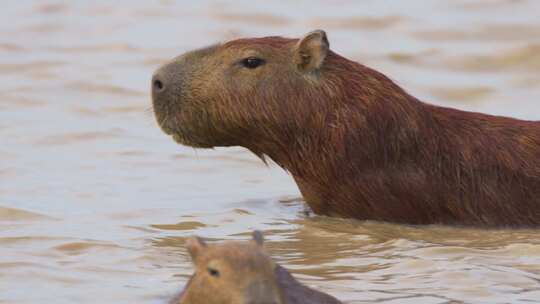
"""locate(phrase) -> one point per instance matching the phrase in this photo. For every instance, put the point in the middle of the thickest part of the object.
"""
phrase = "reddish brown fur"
(356, 143)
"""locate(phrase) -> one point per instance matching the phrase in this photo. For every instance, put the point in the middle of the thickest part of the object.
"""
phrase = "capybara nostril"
(158, 85)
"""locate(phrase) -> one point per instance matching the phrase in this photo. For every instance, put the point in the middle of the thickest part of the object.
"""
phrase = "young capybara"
(242, 273)
(356, 143)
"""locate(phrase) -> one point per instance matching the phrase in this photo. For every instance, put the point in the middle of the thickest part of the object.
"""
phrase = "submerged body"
(357, 144)
(242, 273)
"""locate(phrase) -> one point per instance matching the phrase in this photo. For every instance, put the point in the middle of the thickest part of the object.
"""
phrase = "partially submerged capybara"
(242, 273)
(356, 143)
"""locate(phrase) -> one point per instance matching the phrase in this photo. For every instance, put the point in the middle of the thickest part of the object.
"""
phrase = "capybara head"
(246, 91)
(231, 273)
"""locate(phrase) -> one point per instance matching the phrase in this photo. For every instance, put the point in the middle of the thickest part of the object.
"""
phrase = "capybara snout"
(167, 83)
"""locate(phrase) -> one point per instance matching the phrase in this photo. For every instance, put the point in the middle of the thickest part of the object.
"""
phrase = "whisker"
(149, 111)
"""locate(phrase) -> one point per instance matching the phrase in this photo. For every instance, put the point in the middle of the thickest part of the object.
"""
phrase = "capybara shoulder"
(242, 273)
(356, 143)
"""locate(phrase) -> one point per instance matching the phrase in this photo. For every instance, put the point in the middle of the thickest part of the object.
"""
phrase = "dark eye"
(252, 62)
(213, 272)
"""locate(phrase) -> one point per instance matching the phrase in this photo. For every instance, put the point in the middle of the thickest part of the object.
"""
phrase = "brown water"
(95, 202)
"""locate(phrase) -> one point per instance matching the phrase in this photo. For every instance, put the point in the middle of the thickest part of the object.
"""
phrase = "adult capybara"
(242, 273)
(356, 143)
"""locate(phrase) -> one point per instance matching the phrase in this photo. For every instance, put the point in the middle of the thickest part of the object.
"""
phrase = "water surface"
(96, 203)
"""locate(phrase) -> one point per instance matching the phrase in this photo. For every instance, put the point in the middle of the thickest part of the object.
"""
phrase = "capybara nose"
(157, 84)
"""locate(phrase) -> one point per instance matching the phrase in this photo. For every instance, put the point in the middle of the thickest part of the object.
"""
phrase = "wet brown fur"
(356, 143)
(247, 275)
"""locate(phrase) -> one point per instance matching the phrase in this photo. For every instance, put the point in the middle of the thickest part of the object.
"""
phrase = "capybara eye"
(213, 272)
(252, 62)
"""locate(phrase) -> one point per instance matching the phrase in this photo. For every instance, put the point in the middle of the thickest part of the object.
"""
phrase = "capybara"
(356, 143)
(242, 273)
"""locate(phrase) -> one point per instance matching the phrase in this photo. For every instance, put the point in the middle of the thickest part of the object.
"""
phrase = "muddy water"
(95, 202)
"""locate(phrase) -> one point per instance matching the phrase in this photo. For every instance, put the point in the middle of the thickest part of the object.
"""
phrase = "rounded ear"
(257, 237)
(195, 245)
(311, 51)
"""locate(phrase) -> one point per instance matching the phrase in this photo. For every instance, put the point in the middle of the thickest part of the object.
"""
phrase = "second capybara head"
(231, 273)
(246, 90)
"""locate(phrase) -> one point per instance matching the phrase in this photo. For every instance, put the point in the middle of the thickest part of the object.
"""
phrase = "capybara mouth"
(183, 138)
(166, 129)
(170, 126)
(163, 122)
(180, 138)
(173, 132)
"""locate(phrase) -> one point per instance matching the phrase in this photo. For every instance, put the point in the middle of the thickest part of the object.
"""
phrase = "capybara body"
(242, 273)
(357, 144)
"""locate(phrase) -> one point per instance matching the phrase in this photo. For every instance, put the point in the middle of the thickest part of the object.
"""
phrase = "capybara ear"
(195, 245)
(258, 237)
(311, 50)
